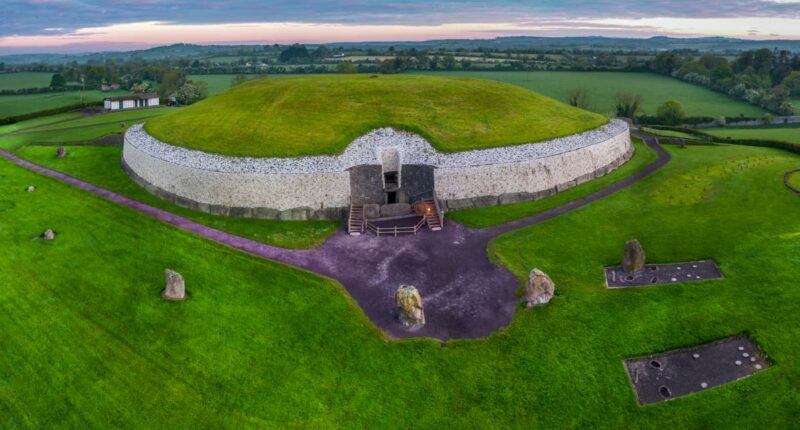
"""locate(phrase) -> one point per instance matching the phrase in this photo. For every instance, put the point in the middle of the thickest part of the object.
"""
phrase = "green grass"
(100, 165)
(785, 134)
(131, 116)
(603, 86)
(493, 215)
(29, 103)
(794, 180)
(323, 114)
(668, 133)
(88, 342)
(16, 81)
(37, 122)
(216, 83)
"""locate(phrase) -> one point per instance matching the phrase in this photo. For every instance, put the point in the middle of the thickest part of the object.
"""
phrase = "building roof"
(133, 97)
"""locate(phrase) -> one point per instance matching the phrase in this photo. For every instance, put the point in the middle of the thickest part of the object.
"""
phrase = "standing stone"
(539, 289)
(633, 260)
(48, 235)
(410, 304)
(62, 152)
(30, 189)
(175, 289)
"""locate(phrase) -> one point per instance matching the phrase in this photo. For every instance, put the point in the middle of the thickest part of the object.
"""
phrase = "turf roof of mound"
(314, 115)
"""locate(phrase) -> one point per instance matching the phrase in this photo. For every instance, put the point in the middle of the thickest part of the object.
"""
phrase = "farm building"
(132, 101)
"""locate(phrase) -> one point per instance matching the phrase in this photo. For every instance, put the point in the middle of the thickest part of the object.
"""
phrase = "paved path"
(465, 295)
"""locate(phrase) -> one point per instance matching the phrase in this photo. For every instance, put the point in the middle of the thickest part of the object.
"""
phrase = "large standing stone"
(62, 152)
(175, 289)
(539, 289)
(30, 189)
(410, 304)
(48, 235)
(633, 260)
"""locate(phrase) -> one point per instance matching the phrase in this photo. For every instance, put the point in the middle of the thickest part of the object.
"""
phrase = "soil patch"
(662, 274)
(660, 377)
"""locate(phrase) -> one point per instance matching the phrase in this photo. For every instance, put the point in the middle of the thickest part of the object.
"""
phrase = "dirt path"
(465, 295)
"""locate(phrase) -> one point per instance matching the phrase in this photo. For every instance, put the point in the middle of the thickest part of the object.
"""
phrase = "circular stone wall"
(319, 186)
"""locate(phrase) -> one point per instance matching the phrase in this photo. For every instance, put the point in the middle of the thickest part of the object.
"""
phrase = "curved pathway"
(465, 295)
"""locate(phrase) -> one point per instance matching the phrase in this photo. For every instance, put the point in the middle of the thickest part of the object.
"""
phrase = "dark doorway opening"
(391, 197)
(390, 179)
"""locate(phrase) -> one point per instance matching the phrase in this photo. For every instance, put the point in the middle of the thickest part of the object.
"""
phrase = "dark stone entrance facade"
(370, 184)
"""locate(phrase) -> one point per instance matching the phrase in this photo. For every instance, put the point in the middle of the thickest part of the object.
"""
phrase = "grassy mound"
(323, 114)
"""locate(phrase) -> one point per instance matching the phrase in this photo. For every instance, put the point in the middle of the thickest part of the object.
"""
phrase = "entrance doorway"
(391, 197)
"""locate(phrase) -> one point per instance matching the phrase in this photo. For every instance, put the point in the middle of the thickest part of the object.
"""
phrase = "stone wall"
(529, 180)
(319, 187)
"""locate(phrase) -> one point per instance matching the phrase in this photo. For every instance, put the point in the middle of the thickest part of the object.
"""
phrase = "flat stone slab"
(660, 377)
(662, 274)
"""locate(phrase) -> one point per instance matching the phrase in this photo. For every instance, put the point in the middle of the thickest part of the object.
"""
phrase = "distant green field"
(15, 81)
(603, 86)
(216, 83)
(24, 104)
(785, 134)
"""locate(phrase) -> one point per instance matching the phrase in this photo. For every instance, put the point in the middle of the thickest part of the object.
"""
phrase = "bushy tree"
(792, 83)
(58, 81)
(170, 81)
(140, 88)
(346, 67)
(294, 54)
(671, 112)
(628, 105)
(191, 91)
(579, 97)
(238, 79)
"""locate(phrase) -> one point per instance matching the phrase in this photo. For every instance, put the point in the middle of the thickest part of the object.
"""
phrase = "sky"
(90, 25)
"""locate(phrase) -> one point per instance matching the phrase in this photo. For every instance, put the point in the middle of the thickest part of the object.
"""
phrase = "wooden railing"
(394, 231)
(439, 212)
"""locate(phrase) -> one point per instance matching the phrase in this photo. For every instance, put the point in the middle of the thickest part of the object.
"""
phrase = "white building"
(132, 101)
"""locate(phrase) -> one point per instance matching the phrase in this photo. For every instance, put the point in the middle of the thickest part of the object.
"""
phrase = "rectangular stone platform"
(660, 377)
(662, 274)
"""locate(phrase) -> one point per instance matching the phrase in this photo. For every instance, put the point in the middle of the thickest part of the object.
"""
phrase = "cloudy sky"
(85, 25)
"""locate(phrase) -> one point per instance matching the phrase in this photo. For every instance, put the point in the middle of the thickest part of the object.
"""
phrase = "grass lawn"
(216, 83)
(493, 215)
(88, 342)
(16, 81)
(28, 103)
(323, 114)
(603, 86)
(794, 180)
(37, 122)
(668, 133)
(785, 134)
(100, 165)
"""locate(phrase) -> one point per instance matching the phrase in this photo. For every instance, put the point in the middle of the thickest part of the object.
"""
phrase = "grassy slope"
(786, 134)
(23, 104)
(494, 215)
(88, 342)
(603, 86)
(100, 166)
(323, 114)
(37, 122)
(15, 81)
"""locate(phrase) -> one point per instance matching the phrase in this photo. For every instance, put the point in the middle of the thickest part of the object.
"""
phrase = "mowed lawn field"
(16, 81)
(321, 115)
(15, 105)
(88, 342)
(785, 134)
(603, 87)
(36, 141)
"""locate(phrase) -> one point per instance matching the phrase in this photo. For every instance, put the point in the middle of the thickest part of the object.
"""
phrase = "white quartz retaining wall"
(306, 187)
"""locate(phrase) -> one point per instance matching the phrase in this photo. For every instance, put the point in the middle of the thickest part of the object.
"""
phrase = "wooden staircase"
(355, 220)
(433, 214)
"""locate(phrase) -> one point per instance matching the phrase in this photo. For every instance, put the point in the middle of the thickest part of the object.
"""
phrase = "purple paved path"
(465, 295)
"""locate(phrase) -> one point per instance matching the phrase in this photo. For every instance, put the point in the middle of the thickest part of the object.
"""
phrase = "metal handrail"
(396, 230)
